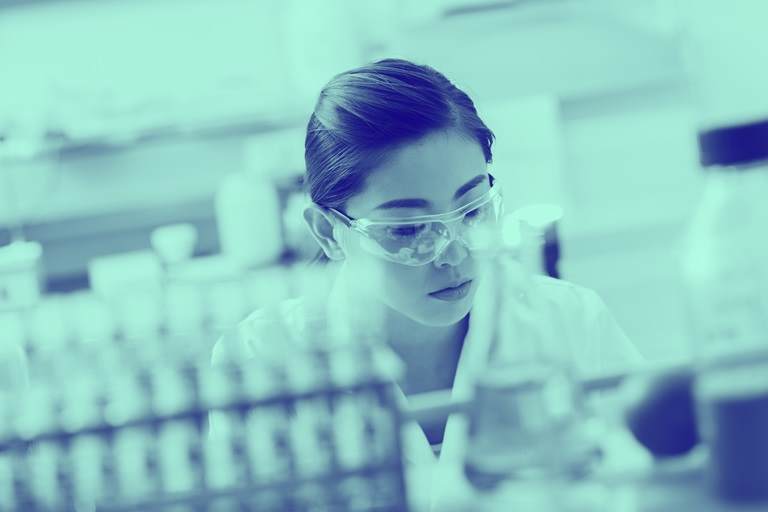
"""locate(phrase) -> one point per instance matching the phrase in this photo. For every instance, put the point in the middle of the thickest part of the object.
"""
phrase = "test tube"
(349, 433)
(87, 454)
(170, 391)
(80, 408)
(356, 494)
(7, 491)
(36, 414)
(174, 442)
(216, 386)
(65, 472)
(313, 496)
(310, 456)
(380, 428)
(220, 471)
(198, 437)
(131, 446)
(345, 367)
(389, 490)
(43, 461)
(126, 399)
(110, 489)
(266, 445)
(302, 372)
(21, 478)
(259, 381)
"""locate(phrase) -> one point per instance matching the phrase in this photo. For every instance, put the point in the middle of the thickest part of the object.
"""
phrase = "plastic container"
(725, 272)
(724, 264)
(725, 251)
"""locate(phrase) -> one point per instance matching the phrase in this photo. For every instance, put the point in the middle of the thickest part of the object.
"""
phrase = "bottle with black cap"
(726, 250)
(725, 269)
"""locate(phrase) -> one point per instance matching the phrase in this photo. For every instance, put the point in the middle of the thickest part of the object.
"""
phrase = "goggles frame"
(364, 225)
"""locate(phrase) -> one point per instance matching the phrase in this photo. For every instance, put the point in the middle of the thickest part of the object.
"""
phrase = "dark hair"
(364, 113)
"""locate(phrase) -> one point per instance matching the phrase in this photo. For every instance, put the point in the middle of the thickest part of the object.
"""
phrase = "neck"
(430, 354)
(406, 332)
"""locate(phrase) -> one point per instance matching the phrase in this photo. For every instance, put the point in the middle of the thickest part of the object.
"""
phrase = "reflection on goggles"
(419, 240)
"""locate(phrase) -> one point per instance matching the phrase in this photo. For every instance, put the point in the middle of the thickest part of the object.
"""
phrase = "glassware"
(525, 421)
(726, 277)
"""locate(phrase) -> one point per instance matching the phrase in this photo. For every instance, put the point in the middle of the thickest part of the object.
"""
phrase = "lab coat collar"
(342, 304)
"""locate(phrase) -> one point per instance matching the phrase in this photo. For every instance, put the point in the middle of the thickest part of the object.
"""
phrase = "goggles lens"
(420, 240)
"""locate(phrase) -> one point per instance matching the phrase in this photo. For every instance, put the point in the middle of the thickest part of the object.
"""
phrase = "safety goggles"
(417, 241)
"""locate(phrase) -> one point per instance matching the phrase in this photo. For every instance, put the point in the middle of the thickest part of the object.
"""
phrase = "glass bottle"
(525, 412)
(727, 284)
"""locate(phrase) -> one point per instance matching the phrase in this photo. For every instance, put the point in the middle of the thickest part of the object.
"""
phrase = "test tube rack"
(318, 432)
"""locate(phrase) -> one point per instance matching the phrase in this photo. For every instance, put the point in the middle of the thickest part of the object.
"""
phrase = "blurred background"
(161, 141)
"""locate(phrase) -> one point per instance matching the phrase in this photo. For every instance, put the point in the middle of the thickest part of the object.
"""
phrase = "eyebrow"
(423, 203)
(477, 180)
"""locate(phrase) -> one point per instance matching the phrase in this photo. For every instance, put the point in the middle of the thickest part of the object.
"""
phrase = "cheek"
(359, 259)
(400, 287)
(406, 290)
(405, 284)
(370, 274)
(393, 283)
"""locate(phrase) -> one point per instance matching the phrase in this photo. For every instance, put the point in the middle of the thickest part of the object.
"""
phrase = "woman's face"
(429, 176)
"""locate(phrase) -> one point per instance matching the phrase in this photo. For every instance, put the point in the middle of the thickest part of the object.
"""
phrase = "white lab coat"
(585, 332)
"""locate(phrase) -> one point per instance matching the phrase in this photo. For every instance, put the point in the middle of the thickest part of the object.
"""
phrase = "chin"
(441, 314)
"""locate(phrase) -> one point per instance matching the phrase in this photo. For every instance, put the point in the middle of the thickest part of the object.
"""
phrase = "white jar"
(248, 220)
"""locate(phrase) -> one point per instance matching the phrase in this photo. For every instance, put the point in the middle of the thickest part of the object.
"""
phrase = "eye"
(477, 214)
(410, 231)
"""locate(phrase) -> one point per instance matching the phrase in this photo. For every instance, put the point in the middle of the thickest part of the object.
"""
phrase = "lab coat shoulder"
(265, 334)
(595, 341)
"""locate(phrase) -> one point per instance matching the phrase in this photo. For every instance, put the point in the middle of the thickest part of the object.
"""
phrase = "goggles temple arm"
(351, 223)
(347, 221)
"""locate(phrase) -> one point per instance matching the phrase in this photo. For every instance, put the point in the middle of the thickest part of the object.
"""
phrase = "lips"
(454, 292)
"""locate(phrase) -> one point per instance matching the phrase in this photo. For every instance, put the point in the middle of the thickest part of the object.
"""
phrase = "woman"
(397, 170)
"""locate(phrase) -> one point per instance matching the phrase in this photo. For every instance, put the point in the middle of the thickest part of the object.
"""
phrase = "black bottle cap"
(735, 145)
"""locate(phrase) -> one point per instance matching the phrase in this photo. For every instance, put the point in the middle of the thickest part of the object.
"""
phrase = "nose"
(453, 254)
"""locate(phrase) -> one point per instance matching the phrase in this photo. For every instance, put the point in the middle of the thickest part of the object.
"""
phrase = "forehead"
(432, 168)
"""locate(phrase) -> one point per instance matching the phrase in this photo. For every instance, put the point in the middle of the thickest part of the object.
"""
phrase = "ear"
(320, 224)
